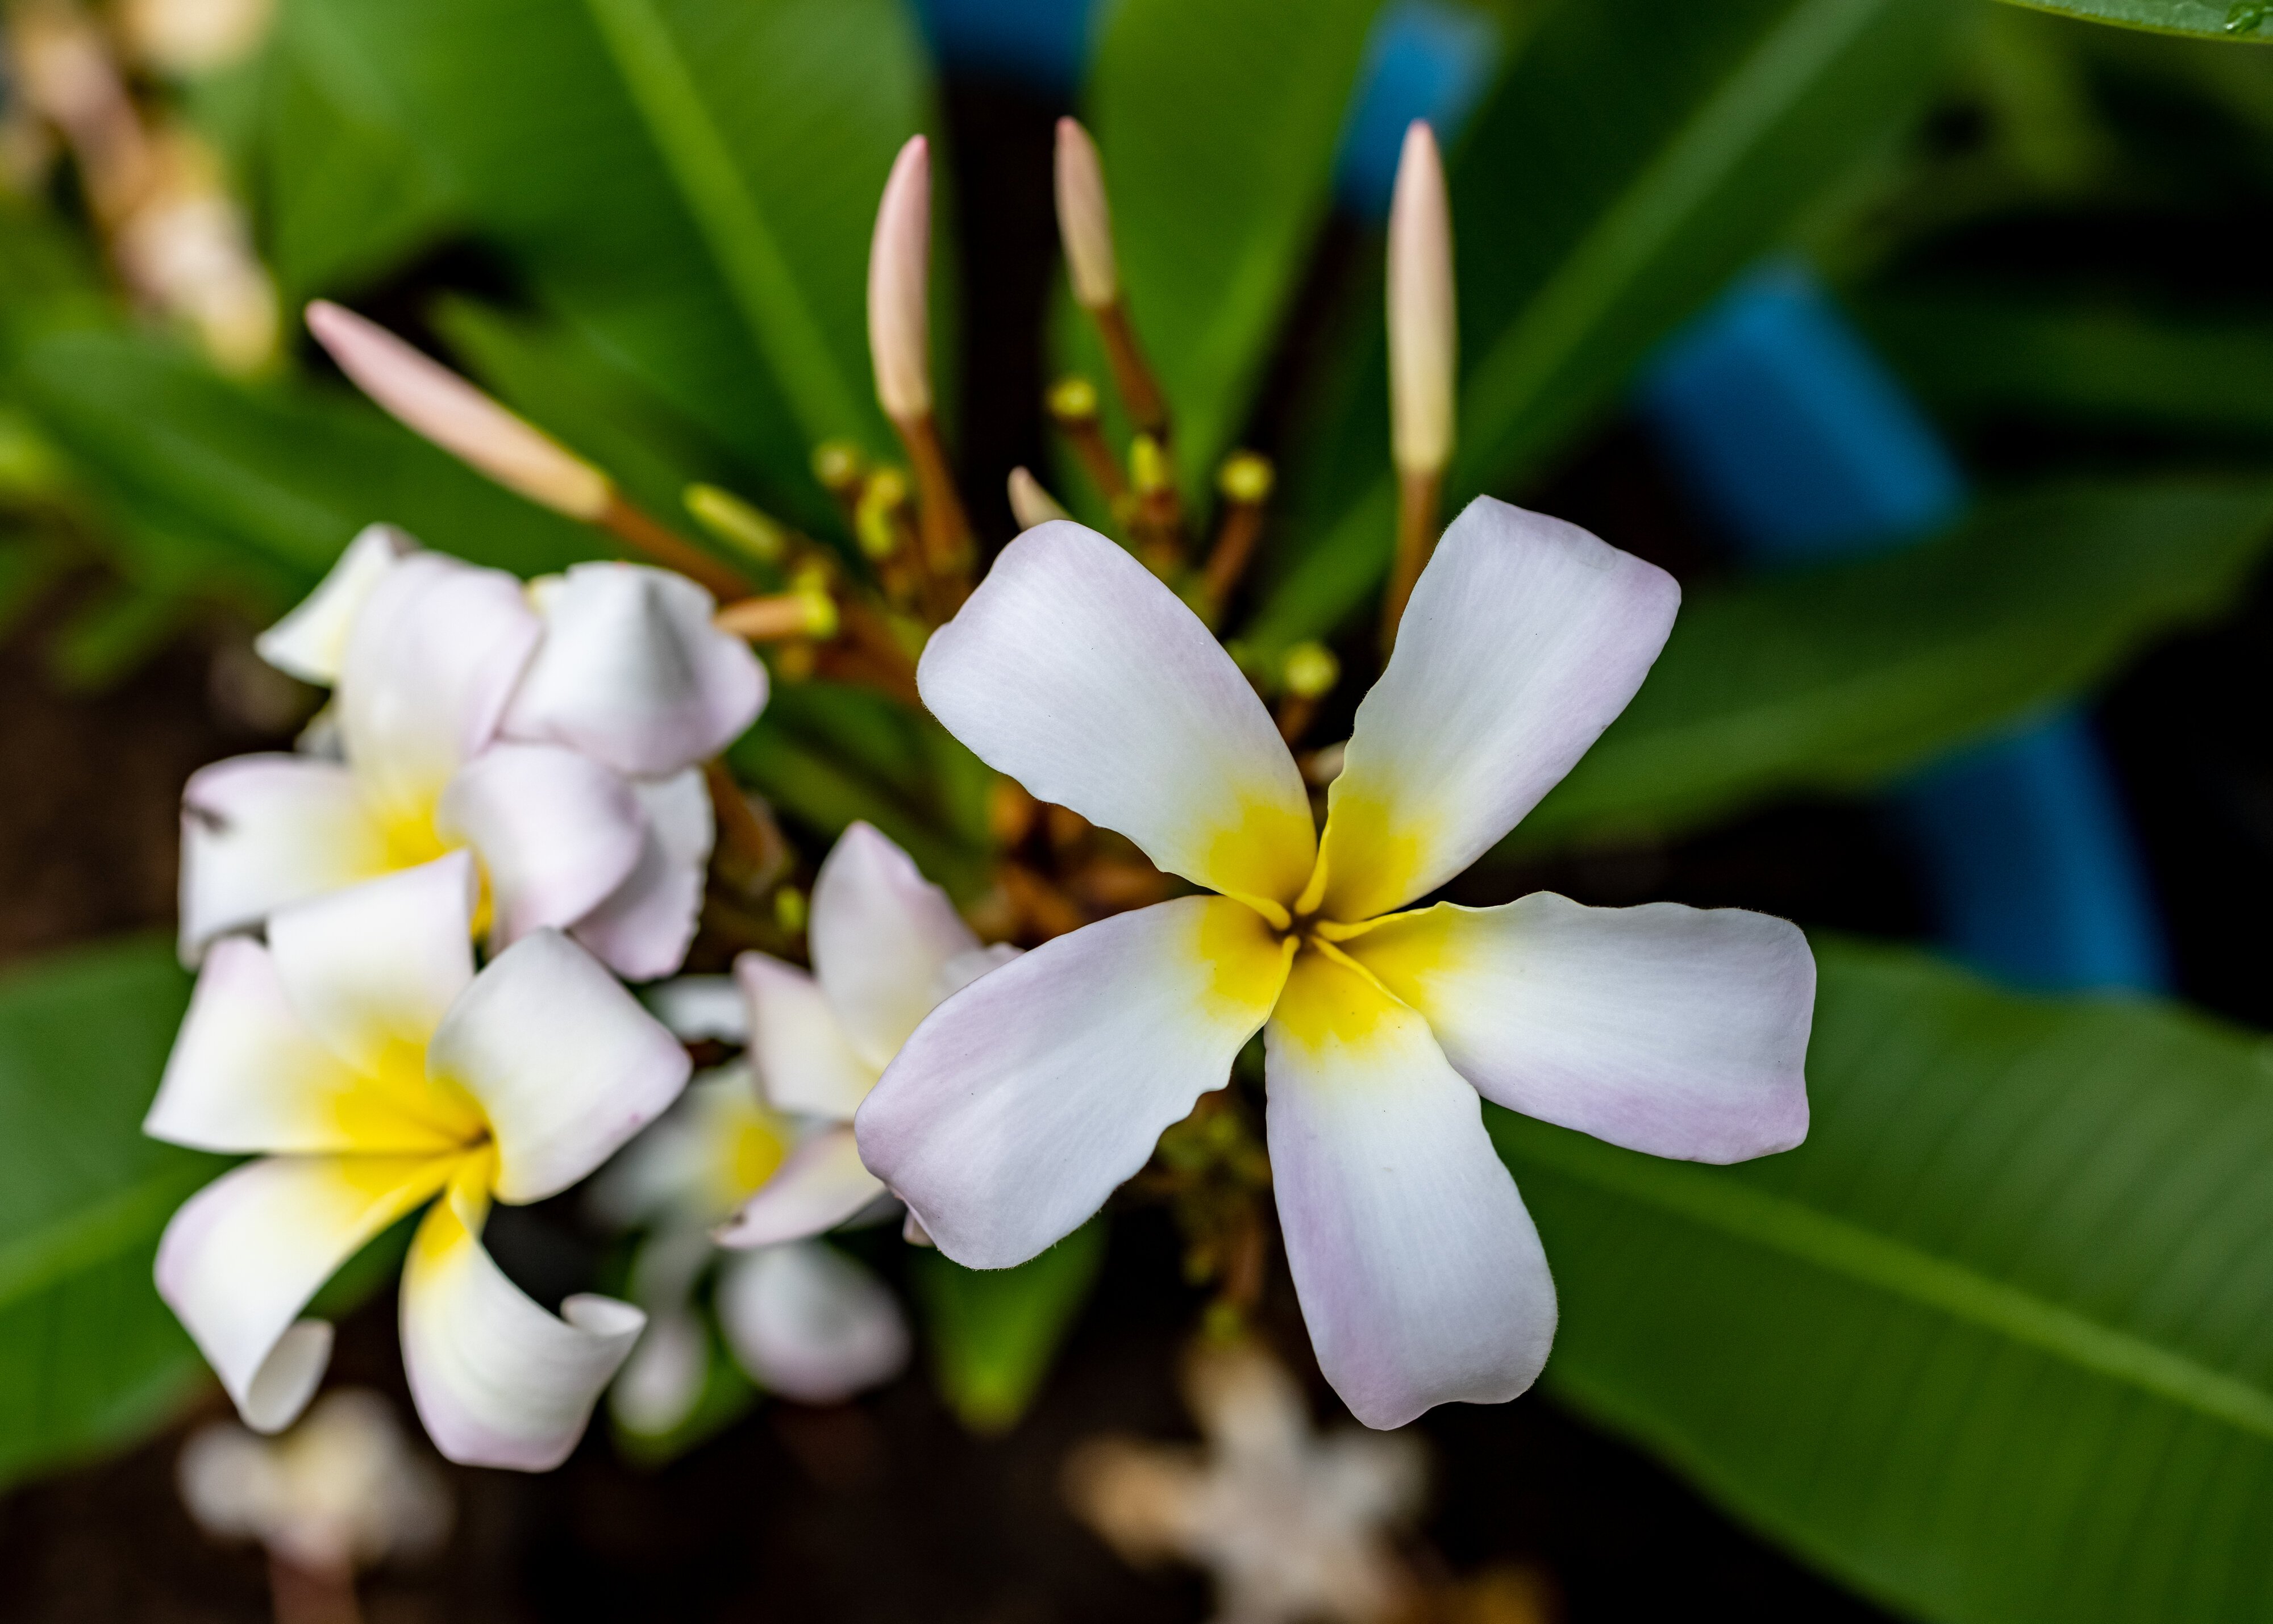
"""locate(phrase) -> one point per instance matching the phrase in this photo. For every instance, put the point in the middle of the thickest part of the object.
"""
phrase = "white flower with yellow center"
(552, 730)
(360, 1054)
(1021, 1102)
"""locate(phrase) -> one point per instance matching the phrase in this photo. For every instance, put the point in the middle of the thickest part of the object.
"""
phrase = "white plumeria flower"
(360, 1053)
(1018, 1106)
(552, 730)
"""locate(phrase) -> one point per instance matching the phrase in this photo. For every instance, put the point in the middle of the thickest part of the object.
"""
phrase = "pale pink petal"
(798, 1049)
(431, 659)
(662, 1379)
(1524, 639)
(632, 672)
(821, 1186)
(811, 1324)
(643, 928)
(1420, 1276)
(245, 1254)
(1074, 671)
(562, 1060)
(310, 643)
(556, 833)
(1025, 1099)
(881, 934)
(1679, 1031)
(498, 1381)
(259, 832)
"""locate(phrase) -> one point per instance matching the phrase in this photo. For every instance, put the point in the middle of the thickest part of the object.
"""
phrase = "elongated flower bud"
(1030, 503)
(1424, 337)
(432, 401)
(899, 261)
(1085, 219)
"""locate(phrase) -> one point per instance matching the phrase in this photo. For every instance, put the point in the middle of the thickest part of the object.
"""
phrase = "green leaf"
(1633, 158)
(691, 182)
(995, 1332)
(1217, 120)
(89, 1357)
(2240, 20)
(1970, 354)
(1990, 1345)
(1838, 678)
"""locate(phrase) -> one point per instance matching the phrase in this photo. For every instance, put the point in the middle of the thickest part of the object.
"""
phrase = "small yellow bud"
(1030, 503)
(1085, 220)
(737, 523)
(789, 908)
(838, 465)
(820, 617)
(899, 267)
(1246, 476)
(432, 401)
(874, 516)
(1148, 466)
(1424, 332)
(1311, 670)
(1073, 399)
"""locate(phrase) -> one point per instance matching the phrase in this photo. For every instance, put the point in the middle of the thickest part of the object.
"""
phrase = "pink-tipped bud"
(432, 401)
(899, 266)
(1085, 219)
(1030, 503)
(1423, 334)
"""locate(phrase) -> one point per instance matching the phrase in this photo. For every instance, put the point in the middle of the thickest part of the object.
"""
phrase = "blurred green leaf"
(1990, 1345)
(995, 1332)
(1981, 356)
(89, 1356)
(1840, 678)
(1633, 158)
(691, 182)
(2221, 19)
(1217, 120)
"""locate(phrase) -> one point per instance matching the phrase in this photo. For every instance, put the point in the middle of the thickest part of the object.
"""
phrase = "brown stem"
(1096, 461)
(946, 529)
(1417, 493)
(1296, 711)
(1042, 908)
(761, 620)
(875, 656)
(310, 1596)
(1140, 391)
(739, 826)
(1233, 550)
(643, 533)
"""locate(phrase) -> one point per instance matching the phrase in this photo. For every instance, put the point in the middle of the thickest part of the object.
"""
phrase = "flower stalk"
(1085, 228)
(1423, 360)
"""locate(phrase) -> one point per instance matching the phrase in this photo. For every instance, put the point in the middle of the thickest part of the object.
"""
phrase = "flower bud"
(899, 261)
(737, 523)
(1423, 338)
(434, 402)
(1085, 219)
(1030, 503)
(1311, 670)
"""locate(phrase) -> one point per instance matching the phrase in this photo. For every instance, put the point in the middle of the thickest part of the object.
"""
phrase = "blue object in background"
(1794, 436)
(1424, 59)
(1042, 44)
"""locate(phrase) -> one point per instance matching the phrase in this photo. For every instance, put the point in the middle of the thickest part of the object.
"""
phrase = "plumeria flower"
(359, 1055)
(553, 731)
(1022, 1102)
(801, 1318)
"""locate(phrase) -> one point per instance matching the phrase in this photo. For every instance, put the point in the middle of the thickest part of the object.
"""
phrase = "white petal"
(1074, 671)
(881, 935)
(810, 1323)
(1420, 1276)
(498, 1381)
(662, 1379)
(562, 1059)
(431, 662)
(245, 1254)
(699, 1006)
(821, 1186)
(556, 831)
(1025, 1099)
(632, 672)
(1524, 638)
(260, 831)
(310, 643)
(372, 969)
(1676, 1030)
(247, 1074)
(804, 1062)
(965, 968)
(642, 929)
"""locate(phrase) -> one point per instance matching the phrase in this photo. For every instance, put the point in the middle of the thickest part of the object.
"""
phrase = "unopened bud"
(875, 518)
(838, 465)
(1030, 503)
(790, 909)
(1148, 466)
(1311, 670)
(432, 401)
(1246, 476)
(1085, 219)
(1423, 336)
(1073, 399)
(737, 523)
(899, 262)
(820, 617)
